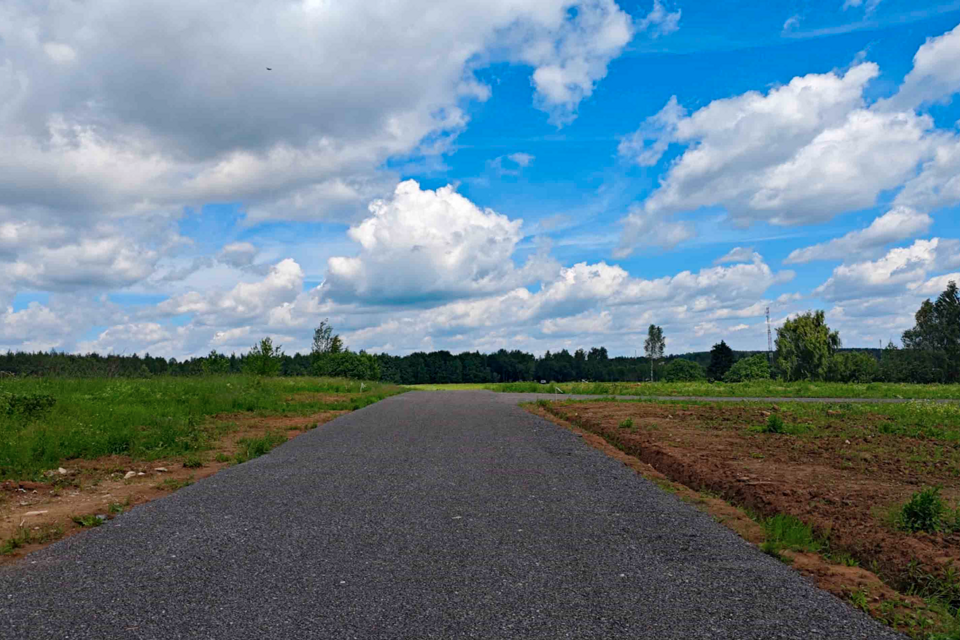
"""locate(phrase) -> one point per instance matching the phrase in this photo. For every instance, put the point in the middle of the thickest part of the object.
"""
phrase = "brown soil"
(45, 509)
(841, 487)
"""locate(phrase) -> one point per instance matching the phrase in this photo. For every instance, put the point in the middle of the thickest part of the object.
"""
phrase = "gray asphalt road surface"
(428, 515)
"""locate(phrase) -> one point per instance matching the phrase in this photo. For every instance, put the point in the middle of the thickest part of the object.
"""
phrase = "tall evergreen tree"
(721, 359)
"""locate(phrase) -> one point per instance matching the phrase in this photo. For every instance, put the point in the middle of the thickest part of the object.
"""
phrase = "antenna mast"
(769, 336)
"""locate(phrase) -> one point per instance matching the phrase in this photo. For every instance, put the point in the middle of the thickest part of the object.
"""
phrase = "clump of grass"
(543, 404)
(91, 520)
(251, 448)
(774, 425)
(193, 461)
(25, 536)
(626, 423)
(926, 511)
(115, 508)
(222, 457)
(173, 484)
(787, 532)
(859, 599)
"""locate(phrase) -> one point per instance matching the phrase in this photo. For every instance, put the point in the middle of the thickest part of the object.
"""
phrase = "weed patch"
(626, 423)
(926, 511)
(251, 448)
(89, 520)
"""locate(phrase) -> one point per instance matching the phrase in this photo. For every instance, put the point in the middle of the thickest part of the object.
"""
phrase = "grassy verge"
(48, 421)
(764, 388)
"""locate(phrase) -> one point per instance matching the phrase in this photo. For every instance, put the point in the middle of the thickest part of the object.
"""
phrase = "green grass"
(251, 448)
(760, 388)
(626, 423)
(788, 532)
(91, 520)
(150, 418)
(25, 536)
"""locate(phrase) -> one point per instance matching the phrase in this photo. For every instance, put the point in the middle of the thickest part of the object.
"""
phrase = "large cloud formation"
(804, 152)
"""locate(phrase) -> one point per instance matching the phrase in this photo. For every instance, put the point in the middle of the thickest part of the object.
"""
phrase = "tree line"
(806, 349)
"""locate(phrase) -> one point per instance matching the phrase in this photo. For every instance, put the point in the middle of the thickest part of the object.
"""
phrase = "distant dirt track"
(427, 515)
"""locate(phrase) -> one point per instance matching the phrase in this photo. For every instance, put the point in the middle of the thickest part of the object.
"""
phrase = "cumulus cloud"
(900, 270)
(96, 128)
(935, 75)
(425, 245)
(807, 151)
(245, 300)
(900, 223)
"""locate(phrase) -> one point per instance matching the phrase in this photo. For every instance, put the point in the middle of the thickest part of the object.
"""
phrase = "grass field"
(765, 388)
(44, 422)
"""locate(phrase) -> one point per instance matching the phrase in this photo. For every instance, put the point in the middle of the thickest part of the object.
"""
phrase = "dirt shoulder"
(83, 493)
(844, 478)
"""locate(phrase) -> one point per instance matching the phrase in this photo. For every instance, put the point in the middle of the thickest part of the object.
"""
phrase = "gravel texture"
(428, 515)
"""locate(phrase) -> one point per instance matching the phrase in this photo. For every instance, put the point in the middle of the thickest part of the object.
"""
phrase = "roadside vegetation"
(46, 421)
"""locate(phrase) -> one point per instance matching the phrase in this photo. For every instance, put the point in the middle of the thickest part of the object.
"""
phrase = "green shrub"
(774, 425)
(854, 366)
(626, 423)
(26, 405)
(681, 370)
(925, 512)
(756, 367)
(264, 359)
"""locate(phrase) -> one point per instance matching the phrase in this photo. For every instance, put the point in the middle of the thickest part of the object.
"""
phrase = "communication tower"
(769, 336)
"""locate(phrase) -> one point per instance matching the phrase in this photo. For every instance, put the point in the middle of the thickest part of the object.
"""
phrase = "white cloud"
(935, 75)
(645, 228)
(807, 151)
(522, 159)
(900, 223)
(739, 254)
(900, 270)
(648, 143)
(246, 300)
(429, 245)
(660, 22)
(238, 254)
(869, 5)
(791, 24)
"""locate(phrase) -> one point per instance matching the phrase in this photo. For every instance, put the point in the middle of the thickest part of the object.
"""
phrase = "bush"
(756, 367)
(25, 405)
(626, 423)
(774, 425)
(852, 367)
(264, 359)
(924, 512)
(681, 370)
(347, 364)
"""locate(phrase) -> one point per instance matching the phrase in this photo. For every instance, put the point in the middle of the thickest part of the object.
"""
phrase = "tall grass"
(151, 418)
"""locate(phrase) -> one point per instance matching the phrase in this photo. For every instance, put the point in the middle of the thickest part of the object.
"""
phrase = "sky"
(179, 177)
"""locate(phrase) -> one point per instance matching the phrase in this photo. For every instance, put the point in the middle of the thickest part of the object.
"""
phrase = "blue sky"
(473, 175)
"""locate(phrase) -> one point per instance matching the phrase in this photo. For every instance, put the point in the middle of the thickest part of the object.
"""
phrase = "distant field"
(44, 422)
(768, 388)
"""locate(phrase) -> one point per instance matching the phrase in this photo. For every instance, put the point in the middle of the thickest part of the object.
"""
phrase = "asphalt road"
(428, 515)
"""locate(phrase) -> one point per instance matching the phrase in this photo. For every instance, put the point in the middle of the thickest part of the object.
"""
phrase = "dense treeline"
(806, 349)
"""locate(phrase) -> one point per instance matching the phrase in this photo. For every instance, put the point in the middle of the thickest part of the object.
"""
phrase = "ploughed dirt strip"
(845, 486)
(36, 514)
